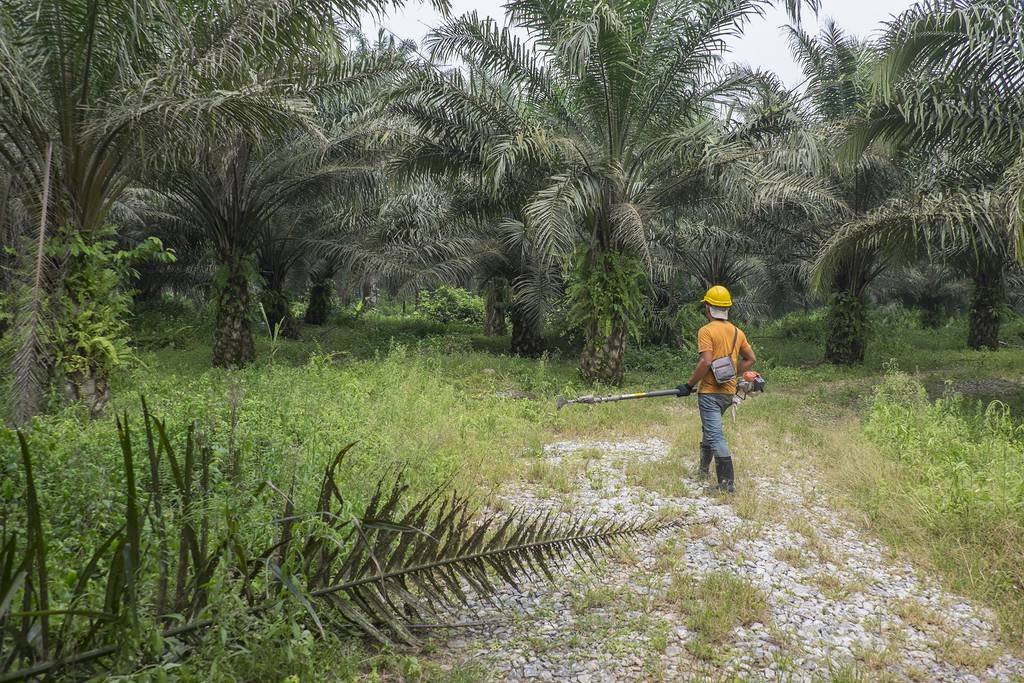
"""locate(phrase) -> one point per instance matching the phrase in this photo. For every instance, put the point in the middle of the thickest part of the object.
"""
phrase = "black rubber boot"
(705, 461)
(723, 470)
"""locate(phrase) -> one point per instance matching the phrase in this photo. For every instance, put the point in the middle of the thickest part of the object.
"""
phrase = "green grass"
(952, 489)
(938, 482)
(714, 606)
(597, 597)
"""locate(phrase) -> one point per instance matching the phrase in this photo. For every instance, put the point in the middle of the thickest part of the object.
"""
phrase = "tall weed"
(956, 488)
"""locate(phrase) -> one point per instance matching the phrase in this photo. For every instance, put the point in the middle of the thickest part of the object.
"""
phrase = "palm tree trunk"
(987, 300)
(233, 344)
(371, 291)
(848, 329)
(319, 306)
(494, 312)
(279, 313)
(605, 362)
(527, 332)
(611, 279)
(90, 387)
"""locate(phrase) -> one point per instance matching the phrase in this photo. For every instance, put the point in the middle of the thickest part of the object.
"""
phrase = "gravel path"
(811, 598)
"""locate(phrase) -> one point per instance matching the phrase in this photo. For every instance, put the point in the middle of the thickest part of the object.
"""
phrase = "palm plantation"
(289, 313)
(935, 93)
(87, 88)
(837, 70)
(618, 114)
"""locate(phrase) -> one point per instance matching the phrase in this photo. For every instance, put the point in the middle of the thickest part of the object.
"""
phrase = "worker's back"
(721, 338)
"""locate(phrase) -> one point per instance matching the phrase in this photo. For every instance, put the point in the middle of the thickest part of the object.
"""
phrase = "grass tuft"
(714, 606)
(835, 588)
(919, 616)
(967, 656)
(794, 557)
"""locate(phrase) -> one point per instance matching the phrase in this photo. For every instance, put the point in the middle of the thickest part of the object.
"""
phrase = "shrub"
(968, 458)
(803, 326)
(893, 317)
(660, 359)
(89, 327)
(170, 321)
(452, 305)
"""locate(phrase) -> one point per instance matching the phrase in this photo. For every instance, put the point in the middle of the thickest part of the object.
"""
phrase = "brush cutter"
(561, 402)
(749, 384)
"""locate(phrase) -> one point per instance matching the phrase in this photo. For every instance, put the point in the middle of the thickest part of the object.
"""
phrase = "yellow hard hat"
(718, 296)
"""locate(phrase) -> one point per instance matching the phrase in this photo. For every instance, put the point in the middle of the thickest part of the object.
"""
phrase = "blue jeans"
(712, 407)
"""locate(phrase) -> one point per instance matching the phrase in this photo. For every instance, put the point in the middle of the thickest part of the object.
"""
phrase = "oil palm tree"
(447, 122)
(236, 192)
(95, 94)
(230, 198)
(713, 254)
(281, 253)
(322, 287)
(292, 251)
(689, 256)
(401, 234)
(951, 88)
(615, 109)
(949, 217)
(738, 245)
(330, 250)
(509, 256)
(936, 290)
(70, 73)
(837, 68)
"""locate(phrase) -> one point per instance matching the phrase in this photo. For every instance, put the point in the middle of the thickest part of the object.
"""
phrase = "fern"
(605, 291)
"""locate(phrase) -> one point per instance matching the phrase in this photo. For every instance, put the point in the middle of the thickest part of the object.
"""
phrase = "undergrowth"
(954, 489)
(938, 476)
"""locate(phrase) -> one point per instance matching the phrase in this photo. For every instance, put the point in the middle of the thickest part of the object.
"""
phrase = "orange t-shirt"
(717, 337)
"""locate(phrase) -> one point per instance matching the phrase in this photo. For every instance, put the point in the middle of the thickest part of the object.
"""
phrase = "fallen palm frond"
(400, 565)
(415, 564)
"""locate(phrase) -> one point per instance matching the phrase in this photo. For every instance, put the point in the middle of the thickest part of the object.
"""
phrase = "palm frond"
(957, 225)
(403, 568)
(953, 75)
(495, 50)
(28, 376)
(398, 566)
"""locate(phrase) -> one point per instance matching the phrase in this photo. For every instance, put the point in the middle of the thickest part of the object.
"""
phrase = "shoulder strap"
(735, 338)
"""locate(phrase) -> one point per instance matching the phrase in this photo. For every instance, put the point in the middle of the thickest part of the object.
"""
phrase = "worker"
(725, 355)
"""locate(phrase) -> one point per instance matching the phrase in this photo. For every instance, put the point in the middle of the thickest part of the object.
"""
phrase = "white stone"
(814, 631)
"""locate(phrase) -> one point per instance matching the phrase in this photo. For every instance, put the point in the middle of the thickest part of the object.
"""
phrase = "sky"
(762, 44)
